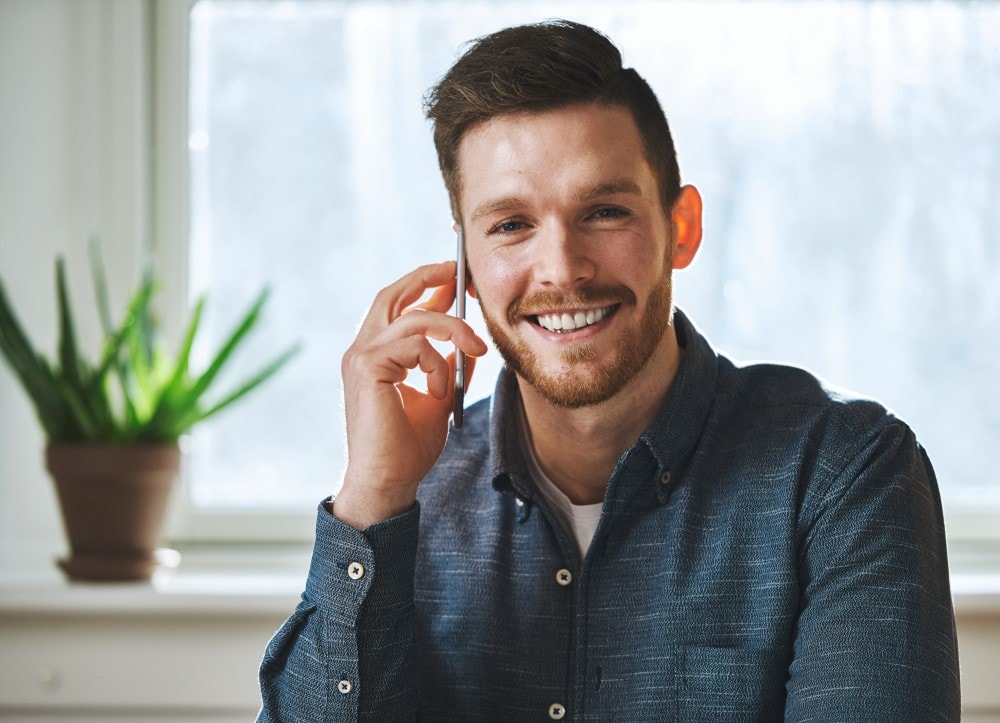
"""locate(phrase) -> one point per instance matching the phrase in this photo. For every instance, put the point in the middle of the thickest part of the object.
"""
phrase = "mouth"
(562, 322)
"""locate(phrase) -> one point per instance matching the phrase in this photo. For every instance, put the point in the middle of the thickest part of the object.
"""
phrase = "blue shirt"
(768, 549)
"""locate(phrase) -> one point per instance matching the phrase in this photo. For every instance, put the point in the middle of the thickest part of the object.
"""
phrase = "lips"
(565, 321)
(562, 312)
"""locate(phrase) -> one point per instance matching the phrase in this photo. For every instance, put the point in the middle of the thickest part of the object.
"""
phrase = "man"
(632, 528)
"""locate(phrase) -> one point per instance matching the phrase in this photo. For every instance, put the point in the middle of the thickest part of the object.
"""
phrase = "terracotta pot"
(113, 500)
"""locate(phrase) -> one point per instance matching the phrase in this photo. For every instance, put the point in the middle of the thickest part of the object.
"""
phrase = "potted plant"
(112, 427)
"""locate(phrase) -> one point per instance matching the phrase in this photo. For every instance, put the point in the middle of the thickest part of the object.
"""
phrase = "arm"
(876, 638)
(347, 652)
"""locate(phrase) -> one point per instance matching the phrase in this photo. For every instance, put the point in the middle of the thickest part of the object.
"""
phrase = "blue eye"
(507, 227)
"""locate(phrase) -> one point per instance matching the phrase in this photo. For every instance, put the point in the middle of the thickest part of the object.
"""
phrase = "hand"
(395, 433)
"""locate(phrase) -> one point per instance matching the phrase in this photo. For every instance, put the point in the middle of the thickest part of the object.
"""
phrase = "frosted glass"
(848, 154)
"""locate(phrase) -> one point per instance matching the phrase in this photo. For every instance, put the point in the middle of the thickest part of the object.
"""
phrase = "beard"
(582, 379)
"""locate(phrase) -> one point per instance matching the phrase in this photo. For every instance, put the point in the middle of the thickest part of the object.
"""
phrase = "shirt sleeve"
(876, 639)
(347, 652)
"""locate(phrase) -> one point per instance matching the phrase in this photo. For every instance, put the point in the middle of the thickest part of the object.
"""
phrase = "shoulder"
(767, 394)
(826, 438)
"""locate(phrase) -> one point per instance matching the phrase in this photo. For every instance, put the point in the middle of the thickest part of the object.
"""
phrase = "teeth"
(566, 322)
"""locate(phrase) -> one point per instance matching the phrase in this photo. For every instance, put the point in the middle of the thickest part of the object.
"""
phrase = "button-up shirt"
(768, 548)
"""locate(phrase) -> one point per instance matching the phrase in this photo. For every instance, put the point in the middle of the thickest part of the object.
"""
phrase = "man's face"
(569, 248)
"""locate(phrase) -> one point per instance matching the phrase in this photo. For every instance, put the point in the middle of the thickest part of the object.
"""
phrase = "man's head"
(562, 172)
(536, 68)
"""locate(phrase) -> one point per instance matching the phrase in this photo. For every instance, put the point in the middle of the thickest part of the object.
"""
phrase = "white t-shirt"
(580, 520)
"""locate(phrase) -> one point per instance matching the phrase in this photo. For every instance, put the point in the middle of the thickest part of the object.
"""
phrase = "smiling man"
(633, 527)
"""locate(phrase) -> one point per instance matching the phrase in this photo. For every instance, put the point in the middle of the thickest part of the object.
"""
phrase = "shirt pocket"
(731, 684)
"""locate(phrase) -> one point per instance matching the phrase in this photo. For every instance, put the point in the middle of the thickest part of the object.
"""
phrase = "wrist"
(361, 508)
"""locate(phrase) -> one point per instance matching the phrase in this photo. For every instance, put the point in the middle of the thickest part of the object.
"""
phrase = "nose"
(561, 258)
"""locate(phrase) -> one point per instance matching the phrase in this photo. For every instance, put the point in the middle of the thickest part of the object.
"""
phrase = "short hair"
(540, 67)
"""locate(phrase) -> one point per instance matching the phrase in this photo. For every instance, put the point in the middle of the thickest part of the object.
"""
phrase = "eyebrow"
(513, 203)
(507, 203)
(612, 188)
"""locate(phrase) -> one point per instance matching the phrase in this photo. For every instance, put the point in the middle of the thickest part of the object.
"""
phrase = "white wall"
(75, 165)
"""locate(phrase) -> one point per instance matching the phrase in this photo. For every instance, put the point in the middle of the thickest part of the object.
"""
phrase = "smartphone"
(459, 407)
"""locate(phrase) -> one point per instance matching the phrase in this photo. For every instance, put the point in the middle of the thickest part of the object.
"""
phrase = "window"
(847, 153)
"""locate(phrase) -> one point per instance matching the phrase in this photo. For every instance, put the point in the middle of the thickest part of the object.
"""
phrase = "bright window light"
(848, 154)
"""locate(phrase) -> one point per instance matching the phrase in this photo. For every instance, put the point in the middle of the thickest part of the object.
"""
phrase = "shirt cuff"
(349, 565)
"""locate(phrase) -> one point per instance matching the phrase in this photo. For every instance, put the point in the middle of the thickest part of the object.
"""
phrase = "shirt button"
(355, 571)
(345, 686)
(564, 577)
(665, 477)
(557, 711)
(519, 502)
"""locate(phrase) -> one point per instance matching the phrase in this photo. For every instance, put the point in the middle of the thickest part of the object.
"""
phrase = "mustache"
(543, 301)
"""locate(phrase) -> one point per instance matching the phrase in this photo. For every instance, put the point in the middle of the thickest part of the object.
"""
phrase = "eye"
(507, 227)
(611, 212)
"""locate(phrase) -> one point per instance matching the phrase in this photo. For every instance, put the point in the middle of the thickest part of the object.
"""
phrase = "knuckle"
(355, 360)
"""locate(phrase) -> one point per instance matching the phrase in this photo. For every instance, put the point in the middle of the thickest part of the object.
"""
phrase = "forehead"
(557, 150)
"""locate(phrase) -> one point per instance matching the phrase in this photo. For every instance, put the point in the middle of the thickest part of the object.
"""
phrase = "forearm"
(348, 651)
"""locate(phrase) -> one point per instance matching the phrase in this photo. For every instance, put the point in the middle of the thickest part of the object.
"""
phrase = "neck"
(579, 448)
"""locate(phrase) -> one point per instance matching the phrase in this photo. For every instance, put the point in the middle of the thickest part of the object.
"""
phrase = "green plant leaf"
(179, 381)
(160, 400)
(248, 386)
(68, 355)
(51, 412)
(125, 360)
(29, 367)
(193, 394)
(82, 422)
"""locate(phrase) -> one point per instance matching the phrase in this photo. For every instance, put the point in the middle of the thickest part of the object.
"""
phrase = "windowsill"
(267, 580)
(228, 580)
(975, 577)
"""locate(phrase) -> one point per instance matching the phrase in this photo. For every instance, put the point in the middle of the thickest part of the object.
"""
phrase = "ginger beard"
(583, 380)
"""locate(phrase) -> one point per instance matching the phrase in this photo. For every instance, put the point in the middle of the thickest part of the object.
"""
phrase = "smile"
(563, 322)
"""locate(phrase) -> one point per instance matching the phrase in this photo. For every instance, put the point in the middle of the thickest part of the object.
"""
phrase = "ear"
(687, 221)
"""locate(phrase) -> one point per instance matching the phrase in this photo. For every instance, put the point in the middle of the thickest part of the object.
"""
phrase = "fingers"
(442, 298)
(437, 326)
(392, 361)
(393, 311)
(393, 300)
(470, 367)
(395, 335)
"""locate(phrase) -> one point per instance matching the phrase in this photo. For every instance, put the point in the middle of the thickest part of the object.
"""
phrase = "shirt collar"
(671, 438)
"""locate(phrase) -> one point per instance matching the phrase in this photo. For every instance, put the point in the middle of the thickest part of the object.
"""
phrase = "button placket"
(664, 488)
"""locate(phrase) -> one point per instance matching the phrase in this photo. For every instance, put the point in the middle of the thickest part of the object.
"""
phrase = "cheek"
(497, 278)
(629, 260)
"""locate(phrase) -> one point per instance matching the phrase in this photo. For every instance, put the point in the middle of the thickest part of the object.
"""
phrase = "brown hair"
(539, 67)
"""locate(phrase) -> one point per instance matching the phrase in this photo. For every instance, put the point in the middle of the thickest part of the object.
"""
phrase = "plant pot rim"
(111, 445)
(75, 457)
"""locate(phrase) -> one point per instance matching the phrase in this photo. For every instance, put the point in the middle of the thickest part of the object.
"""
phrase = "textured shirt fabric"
(768, 549)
